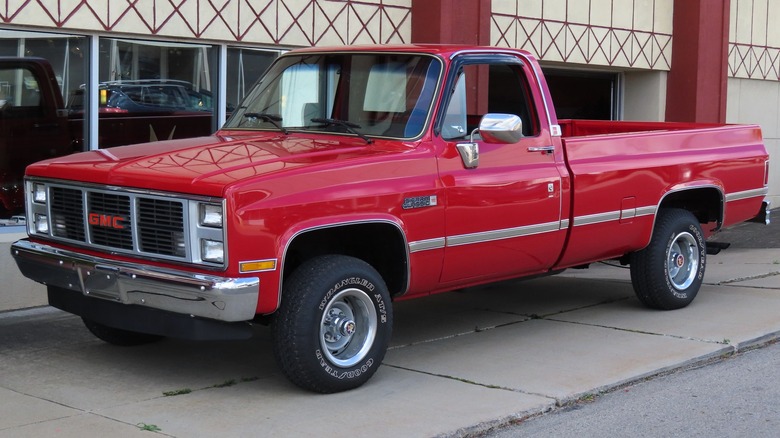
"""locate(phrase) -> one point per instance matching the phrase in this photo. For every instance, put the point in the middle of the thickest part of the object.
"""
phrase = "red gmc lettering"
(106, 220)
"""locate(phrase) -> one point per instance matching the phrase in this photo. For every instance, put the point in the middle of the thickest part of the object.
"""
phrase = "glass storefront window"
(150, 91)
(43, 68)
(147, 91)
(244, 68)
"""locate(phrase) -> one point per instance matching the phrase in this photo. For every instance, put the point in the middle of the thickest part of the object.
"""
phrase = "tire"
(331, 331)
(115, 336)
(668, 273)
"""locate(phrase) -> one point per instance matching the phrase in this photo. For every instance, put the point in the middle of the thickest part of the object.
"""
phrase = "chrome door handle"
(542, 149)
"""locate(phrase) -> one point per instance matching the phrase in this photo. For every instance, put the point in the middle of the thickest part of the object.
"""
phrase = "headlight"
(41, 224)
(212, 251)
(39, 193)
(211, 215)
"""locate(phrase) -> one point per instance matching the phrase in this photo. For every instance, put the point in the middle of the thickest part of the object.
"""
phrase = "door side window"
(19, 90)
(488, 88)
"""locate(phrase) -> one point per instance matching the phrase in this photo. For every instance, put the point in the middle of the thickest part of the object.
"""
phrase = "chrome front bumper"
(207, 296)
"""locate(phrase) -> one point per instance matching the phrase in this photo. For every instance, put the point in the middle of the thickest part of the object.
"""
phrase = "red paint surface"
(696, 88)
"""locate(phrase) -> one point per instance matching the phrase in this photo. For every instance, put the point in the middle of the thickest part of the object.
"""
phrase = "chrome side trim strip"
(737, 196)
(650, 210)
(591, 219)
(424, 245)
(596, 218)
(486, 236)
(509, 233)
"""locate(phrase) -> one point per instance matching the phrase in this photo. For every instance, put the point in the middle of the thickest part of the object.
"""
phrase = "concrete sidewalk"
(459, 363)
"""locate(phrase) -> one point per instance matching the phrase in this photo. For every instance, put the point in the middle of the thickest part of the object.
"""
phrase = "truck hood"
(208, 165)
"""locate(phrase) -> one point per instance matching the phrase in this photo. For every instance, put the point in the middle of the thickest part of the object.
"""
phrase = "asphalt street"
(735, 397)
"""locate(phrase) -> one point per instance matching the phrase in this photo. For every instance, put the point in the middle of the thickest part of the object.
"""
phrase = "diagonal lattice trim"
(288, 22)
(556, 40)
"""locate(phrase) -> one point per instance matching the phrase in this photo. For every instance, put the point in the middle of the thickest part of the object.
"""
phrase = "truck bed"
(621, 171)
(584, 128)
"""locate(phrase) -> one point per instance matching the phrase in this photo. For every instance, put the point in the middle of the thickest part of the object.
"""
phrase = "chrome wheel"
(668, 273)
(683, 260)
(348, 327)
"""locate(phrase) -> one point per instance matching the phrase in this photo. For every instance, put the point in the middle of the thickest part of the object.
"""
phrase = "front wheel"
(668, 273)
(332, 329)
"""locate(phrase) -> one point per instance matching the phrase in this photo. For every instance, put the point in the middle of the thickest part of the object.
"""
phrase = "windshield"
(384, 95)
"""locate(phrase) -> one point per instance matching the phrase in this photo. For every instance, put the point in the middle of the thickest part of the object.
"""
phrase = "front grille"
(67, 207)
(109, 220)
(121, 222)
(161, 227)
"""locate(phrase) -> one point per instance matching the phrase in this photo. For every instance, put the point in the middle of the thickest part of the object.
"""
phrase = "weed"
(148, 427)
(225, 384)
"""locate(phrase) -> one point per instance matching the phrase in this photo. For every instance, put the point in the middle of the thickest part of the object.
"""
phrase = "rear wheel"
(117, 336)
(669, 272)
(332, 329)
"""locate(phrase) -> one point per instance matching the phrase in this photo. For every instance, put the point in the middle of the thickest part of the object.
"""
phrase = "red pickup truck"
(352, 177)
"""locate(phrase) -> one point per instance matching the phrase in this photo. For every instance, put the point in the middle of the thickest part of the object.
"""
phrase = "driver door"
(503, 213)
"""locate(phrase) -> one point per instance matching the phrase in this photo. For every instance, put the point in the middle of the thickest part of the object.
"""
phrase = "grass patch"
(176, 392)
(225, 384)
(148, 427)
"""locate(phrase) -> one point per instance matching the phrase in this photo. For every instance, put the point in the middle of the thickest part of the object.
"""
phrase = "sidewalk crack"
(472, 382)
(643, 332)
(751, 277)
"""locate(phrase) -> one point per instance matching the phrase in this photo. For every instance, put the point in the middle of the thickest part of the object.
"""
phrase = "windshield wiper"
(273, 119)
(349, 126)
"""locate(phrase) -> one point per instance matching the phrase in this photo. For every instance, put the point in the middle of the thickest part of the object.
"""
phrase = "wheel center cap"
(680, 261)
(348, 328)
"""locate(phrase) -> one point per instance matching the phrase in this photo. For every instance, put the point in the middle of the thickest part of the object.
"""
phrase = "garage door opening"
(584, 95)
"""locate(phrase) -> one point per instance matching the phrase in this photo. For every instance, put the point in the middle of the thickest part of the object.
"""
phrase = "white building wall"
(644, 95)
(754, 76)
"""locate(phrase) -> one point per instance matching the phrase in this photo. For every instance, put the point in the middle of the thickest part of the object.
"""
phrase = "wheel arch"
(706, 201)
(381, 243)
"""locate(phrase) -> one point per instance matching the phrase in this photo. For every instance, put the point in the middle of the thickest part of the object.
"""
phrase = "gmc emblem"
(106, 221)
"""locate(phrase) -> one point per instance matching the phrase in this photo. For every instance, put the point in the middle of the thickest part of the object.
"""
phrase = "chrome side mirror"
(493, 128)
(501, 128)
(469, 153)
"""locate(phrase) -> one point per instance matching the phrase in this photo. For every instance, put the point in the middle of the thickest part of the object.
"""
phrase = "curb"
(724, 353)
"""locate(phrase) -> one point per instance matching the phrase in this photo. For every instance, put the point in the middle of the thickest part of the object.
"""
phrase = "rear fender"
(705, 199)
